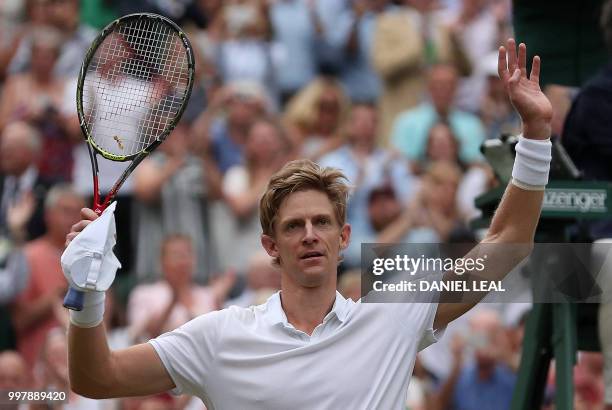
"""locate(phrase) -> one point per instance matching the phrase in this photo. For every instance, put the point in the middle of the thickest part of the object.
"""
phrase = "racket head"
(134, 85)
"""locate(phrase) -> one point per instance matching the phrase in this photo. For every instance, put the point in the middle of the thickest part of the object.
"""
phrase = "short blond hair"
(302, 175)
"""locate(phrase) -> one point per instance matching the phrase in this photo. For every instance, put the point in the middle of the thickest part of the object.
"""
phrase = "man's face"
(15, 154)
(363, 124)
(263, 143)
(383, 210)
(65, 14)
(13, 371)
(442, 86)
(307, 239)
(243, 110)
(178, 262)
(65, 213)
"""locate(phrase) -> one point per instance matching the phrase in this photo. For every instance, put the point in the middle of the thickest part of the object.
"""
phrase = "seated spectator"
(14, 372)
(294, 54)
(314, 116)
(407, 41)
(244, 54)
(14, 273)
(22, 189)
(411, 127)
(172, 197)
(39, 307)
(262, 280)
(174, 300)
(52, 374)
(76, 39)
(478, 25)
(388, 221)
(236, 221)
(496, 112)
(349, 284)
(353, 35)
(35, 96)
(366, 165)
(589, 381)
(14, 376)
(435, 206)
(443, 146)
(222, 128)
(487, 383)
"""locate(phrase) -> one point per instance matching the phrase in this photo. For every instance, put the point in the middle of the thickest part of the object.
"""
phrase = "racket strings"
(135, 86)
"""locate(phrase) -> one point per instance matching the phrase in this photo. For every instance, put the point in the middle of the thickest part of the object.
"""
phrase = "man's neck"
(305, 308)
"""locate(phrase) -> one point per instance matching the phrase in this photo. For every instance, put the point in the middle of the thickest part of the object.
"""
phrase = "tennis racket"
(133, 87)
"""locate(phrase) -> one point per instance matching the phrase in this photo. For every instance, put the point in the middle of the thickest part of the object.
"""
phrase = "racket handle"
(74, 299)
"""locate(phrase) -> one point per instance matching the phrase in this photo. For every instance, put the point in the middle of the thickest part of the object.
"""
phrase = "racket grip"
(74, 299)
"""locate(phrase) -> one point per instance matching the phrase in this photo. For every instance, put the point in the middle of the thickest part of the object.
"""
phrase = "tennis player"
(308, 347)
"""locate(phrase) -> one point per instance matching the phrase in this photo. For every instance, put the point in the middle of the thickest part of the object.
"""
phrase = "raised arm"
(510, 237)
(96, 371)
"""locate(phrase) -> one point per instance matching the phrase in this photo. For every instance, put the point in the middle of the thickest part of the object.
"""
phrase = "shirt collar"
(275, 313)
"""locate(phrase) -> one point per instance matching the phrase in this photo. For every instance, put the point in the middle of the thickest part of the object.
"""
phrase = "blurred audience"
(314, 117)
(14, 371)
(222, 128)
(477, 25)
(436, 206)
(353, 37)
(588, 141)
(15, 375)
(408, 40)
(294, 36)
(236, 219)
(262, 280)
(411, 127)
(346, 79)
(175, 299)
(75, 38)
(244, 53)
(496, 112)
(349, 284)
(52, 375)
(39, 307)
(172, 197)
(366, 164)
(487, 383)
(22, 189)
(36, 96)
(443, 146)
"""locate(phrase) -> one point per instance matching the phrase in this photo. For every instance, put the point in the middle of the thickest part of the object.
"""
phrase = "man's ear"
(345, 236)
(269, 245)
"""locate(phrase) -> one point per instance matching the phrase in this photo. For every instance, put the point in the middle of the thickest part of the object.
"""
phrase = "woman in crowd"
(314, 117)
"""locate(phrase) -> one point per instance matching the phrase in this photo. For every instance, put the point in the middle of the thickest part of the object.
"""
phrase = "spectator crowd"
(399, 95)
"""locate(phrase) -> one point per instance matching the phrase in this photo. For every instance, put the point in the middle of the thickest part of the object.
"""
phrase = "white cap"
(88, 262)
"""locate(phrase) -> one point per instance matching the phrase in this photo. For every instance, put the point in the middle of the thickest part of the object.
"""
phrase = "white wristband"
(92, 313)
(532, 163)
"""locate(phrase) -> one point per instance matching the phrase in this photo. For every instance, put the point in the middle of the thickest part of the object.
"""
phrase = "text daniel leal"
(440, 286)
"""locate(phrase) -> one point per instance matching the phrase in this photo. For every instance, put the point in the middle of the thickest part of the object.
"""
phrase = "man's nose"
(309, 233)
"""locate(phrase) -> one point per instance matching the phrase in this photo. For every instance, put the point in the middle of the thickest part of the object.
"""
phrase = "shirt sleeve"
(189, 353)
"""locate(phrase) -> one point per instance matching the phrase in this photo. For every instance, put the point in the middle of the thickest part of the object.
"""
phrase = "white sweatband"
(532, 164)
(92, 313)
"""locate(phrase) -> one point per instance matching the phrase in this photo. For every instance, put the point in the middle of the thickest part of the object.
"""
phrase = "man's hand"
(88, 216)
(525, 93)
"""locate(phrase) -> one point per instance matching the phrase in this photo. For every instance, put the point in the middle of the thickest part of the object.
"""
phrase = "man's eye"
(323, 221)
(291, 226)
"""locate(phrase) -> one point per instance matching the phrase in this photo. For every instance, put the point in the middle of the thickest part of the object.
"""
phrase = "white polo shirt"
(360, 357)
